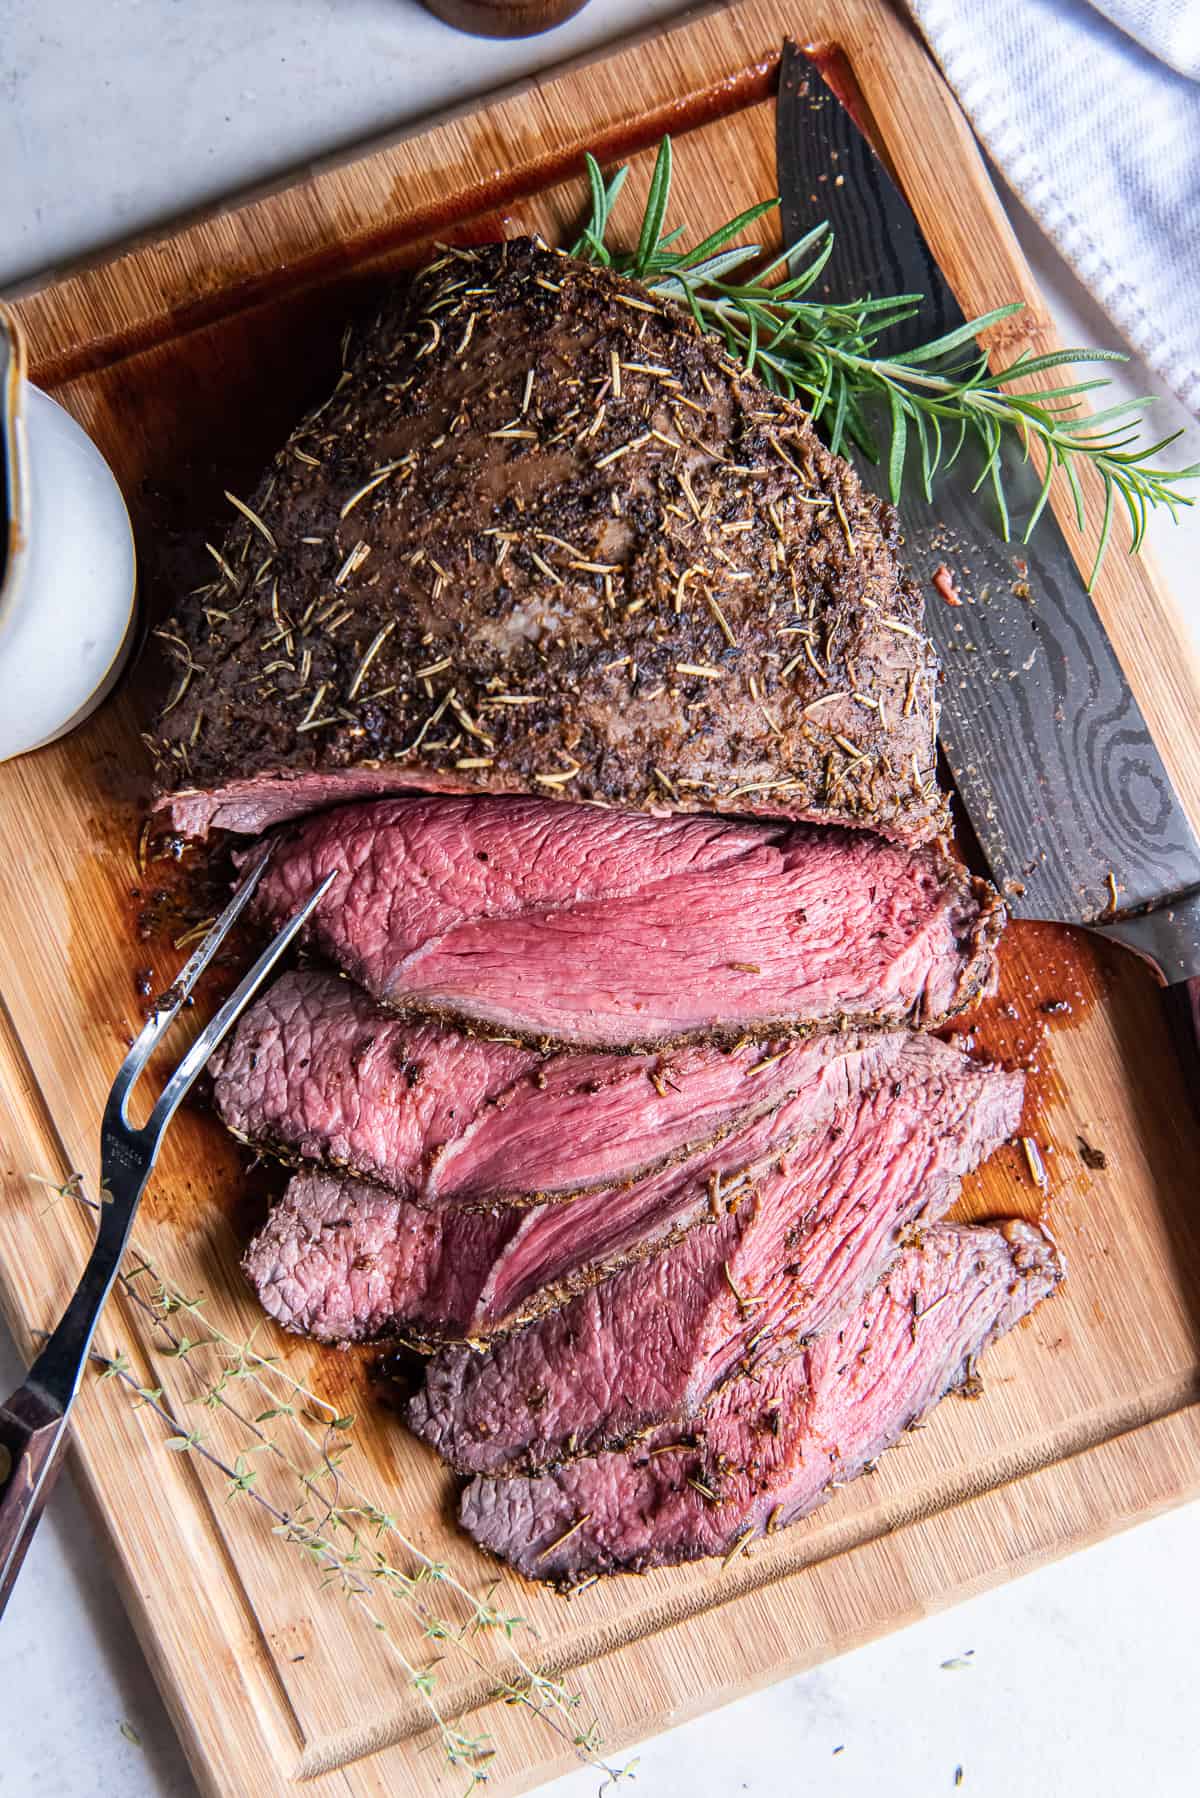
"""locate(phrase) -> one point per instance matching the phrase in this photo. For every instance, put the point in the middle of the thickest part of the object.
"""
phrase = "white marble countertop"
(116, 114)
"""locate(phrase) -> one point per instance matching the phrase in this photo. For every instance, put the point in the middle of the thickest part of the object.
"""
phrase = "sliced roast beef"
(345, 1262)
(546, 537)
(317, 1072)
(592, 927)
(324, 1264)
(786, 1255)
(765, 1450)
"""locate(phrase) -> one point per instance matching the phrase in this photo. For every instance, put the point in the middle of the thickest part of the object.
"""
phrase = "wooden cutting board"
(188, 358)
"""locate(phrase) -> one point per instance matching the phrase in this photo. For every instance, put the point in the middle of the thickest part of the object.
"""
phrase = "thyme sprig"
(918, 407)
(327, 1518)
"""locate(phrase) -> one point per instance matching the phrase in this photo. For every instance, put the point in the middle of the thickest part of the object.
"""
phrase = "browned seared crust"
(545, 536)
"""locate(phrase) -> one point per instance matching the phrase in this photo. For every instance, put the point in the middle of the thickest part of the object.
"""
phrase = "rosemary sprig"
(919, 407)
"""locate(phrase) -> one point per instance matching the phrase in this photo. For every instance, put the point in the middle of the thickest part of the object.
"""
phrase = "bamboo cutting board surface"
(188, 359)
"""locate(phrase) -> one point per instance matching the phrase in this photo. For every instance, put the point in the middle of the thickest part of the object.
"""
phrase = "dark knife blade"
(1049, 751)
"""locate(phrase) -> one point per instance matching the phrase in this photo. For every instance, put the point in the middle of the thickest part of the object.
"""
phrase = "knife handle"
(1183, 1016)
(33, 1435)
(1168, 938)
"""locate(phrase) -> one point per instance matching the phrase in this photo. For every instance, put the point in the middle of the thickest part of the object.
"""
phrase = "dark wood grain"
(504, 18)
(32, 1438)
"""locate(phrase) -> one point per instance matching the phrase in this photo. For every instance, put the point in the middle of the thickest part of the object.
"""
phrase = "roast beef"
(764, 1451)
(347, 1262)
(317, 1072)
(607, 929)
(782, 1259)
(546, 537)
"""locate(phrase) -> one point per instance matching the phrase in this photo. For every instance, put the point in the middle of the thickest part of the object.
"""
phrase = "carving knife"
(1072, 807)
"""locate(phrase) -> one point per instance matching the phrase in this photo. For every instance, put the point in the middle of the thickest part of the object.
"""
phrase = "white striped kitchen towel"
(1092, 114)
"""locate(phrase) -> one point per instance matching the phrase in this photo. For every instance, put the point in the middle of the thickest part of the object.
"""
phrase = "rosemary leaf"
(899, 445)
(656, 207)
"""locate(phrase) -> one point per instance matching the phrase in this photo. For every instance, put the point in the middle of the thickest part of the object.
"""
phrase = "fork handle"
(33, 1435)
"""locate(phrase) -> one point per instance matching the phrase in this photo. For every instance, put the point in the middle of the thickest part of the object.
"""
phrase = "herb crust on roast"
(546, 537)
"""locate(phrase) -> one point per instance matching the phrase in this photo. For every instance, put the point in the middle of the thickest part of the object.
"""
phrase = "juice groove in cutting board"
(189, 360)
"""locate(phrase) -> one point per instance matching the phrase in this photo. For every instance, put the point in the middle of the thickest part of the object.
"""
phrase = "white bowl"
(67, 571)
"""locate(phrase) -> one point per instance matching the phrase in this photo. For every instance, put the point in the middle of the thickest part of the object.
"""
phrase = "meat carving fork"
(33, 1423)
